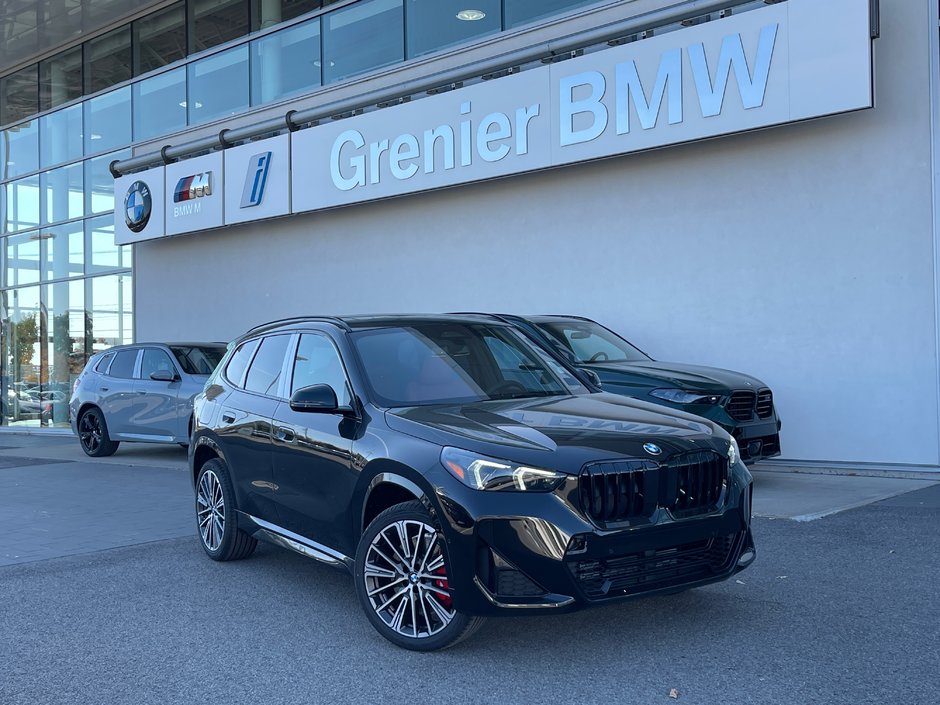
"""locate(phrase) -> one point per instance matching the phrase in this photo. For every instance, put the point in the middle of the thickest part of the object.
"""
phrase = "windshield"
(198, 359)
(590, 342)
(439, 363)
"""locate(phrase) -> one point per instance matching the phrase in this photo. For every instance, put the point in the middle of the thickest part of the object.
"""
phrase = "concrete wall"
(802, 254)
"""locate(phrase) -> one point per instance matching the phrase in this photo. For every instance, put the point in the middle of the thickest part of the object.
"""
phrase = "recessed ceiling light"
(471, 15)
(95, 136)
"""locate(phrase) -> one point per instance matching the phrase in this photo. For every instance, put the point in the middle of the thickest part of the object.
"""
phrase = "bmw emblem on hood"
(137, 206)
(652, 448)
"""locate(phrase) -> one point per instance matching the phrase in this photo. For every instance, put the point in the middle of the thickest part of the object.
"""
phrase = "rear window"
(235, 369)
(103, 363)
(198, 359)
(123, 365)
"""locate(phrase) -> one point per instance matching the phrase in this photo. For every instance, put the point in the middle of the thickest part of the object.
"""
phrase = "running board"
(280, 536)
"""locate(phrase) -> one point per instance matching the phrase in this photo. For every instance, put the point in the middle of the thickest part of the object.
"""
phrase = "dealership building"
(748, 185)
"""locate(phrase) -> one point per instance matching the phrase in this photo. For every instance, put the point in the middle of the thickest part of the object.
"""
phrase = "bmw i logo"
(652, 448)
(137, 206)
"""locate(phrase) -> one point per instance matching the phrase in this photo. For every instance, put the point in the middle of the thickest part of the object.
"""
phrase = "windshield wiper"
(524, 395)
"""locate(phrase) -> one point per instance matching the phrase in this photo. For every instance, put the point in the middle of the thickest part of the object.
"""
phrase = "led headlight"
(482, 473)
(681, 396)
(733, 452)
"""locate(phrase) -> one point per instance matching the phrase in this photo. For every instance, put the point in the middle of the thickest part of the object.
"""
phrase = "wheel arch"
(204, 449)
(388, 484)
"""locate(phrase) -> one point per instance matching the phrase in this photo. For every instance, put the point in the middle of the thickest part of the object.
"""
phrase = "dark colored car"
(739, 403)
(457, 470)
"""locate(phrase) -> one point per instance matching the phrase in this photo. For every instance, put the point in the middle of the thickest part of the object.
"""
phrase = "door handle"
(228, 418)
(285, 434)
(103, 389)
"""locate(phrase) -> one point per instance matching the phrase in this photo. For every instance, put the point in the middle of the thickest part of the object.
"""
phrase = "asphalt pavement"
(106, 597)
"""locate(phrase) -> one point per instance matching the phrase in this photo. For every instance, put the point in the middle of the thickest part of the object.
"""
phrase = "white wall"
(802, 254)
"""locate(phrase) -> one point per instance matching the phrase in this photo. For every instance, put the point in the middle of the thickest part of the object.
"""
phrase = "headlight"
(680, 396)
(482, 473)
(733, 452)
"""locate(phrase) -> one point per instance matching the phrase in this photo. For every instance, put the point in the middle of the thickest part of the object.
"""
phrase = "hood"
(677, 374)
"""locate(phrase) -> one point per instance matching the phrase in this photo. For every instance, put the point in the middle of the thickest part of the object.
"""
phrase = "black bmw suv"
(458, 471)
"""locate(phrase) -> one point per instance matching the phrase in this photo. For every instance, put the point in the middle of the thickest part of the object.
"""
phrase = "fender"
(202, 441)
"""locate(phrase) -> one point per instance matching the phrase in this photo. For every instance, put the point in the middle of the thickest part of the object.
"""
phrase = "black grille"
(765, 403)
(511, 582)
(649, 570)
(699, 479)
(740, 406)
(618, 491)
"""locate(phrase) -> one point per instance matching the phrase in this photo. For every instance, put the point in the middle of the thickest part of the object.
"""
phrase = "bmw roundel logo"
(652, 448)
(137, 206)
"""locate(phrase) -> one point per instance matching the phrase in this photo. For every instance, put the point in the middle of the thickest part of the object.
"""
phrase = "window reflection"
(99, 183)
(64, 334)
(159, 39)
(285, 63)
(361, 37)
(108, 121)
(218, 86)
(60, 136)
(60, 78)
(108, 60)
(20, 368)
(520, 12)
(63, 193)
(435, 24)
(19, 149)
(22, 258)
(160, 104)
(102, 254)
(19, 95)
(217, 21)
(63, 251)
(21, 204)
(110, 310)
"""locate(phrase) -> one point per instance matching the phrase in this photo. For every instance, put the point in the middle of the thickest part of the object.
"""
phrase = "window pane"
(60, 136)
(317, 362)
(160, 104)
(99, 184)
(22, 204)
(65, 346)
(60, 79)
(63, 193)
(64, 251)
(19, 149)
(235, 370)
(103, 254)
(285, 63)
(362, 37)
(218, 86)
(108, 60)
(22, 259)
(155, 360)
(521, 11)
(272, 12)
(217, 22)
(108, 121)
(19, 339)
(123, 365)
(110, 309)
(265, 370)
(160, 39)
(19, 94)
(434, 24)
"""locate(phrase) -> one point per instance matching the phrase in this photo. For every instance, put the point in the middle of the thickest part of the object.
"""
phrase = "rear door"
(116, 395)
(158, 409)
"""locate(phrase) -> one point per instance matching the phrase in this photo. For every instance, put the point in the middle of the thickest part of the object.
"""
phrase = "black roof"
(372, 320)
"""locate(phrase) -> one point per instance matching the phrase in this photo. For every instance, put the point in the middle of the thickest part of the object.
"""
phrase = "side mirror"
(592, 377)
(319, 398)
(162, 376)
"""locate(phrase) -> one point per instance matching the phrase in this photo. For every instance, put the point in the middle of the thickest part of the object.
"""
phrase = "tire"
(419, 616)
(93, 434)
(216, 523)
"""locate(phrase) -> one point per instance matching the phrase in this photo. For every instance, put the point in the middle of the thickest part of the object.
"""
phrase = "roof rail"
(335, 320)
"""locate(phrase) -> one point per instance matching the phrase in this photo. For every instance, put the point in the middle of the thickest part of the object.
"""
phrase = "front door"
(158, 412)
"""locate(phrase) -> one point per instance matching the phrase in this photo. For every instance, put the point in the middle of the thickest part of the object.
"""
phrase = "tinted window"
(235, 370)
(265, 371)
(318, 362)
(198, 359)
(155, 360)
(364, 36)
(123, 365)
(590, 342)
(103, 363)
(434, 24)
(160, 39)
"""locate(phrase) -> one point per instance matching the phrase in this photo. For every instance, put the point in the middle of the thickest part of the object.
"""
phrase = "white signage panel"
(257, 180)
(194, 194)
(138, 206)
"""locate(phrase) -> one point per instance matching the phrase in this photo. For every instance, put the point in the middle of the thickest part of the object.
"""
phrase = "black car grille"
(765, 403)
(650, 570)
(691, 483)
(740, 406)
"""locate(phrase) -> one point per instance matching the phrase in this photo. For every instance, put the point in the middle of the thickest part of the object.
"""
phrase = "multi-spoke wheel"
(402, 581)
(215, 515)
(93, 434)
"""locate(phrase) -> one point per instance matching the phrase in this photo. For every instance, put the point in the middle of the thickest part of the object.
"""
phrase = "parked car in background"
(457, 470)
(141, 392)
(741, 404)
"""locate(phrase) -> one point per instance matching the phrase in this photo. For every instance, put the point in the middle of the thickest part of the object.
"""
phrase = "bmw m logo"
(137, 206)
(652, 448)
(191, 187)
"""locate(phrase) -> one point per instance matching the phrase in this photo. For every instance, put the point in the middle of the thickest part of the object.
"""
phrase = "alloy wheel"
(210, 507)
(89, 432)
(406, 579)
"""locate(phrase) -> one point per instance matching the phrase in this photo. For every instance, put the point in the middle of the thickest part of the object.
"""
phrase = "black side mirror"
(162, 376)
(319, 398)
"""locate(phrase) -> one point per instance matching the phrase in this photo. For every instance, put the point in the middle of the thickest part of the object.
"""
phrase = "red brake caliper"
(442, 584)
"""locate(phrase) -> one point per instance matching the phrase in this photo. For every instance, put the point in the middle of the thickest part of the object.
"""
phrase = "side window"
(238, 363)
(318, 362)
(103, 363)
(155, 359)
(123, 365)
(265, 370)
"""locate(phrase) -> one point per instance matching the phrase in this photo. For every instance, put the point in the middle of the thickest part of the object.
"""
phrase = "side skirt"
(279, 536)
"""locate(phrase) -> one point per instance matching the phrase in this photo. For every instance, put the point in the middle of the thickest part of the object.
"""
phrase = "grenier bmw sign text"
(781, 63)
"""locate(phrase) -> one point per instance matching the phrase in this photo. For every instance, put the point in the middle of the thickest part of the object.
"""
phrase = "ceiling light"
(196, 105)
(95, 136)
(471, 15)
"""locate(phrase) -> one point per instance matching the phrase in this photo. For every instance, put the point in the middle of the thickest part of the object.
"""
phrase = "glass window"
(265, 370)
(155, 360)
(99, 184)
(19, 94)
(19, 339)
(318, 362)
(60, 136)
(60, 79)
(285, 63)
(590, 342)
(65, 346)
(522, 11)
(22, 204)
(160, 104)
(217, 21)
(159, 39)
(22, 259)
(102, 254)
(123, 365)
(63, 193)
(235, 370)
(435, 24)
(103, 363)
(108, 121)
(19, 149)
(110, 310)
(273, 12)
(361, 37)
(218, 86)
(63, 251)
(198, 359)
(108, 60)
